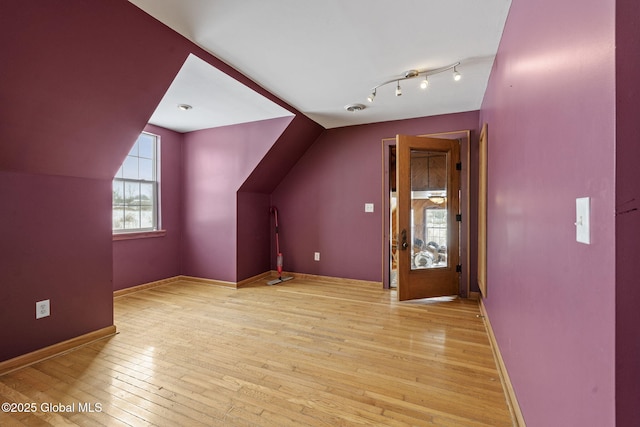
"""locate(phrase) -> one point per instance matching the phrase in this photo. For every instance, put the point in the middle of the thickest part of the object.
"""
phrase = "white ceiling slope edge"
(319, 56)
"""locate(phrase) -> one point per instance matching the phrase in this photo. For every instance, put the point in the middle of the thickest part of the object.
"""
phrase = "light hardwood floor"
(302, 353)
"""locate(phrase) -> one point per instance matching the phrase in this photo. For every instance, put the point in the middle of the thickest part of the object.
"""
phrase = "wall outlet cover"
(43, 309)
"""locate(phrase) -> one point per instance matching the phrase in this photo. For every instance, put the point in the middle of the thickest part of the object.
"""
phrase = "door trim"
(464, 136)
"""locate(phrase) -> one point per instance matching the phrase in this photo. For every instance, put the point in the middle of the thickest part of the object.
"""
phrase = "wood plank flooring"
(302, 353)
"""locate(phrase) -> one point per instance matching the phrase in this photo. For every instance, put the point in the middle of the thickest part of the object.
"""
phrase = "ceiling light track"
(411, 74)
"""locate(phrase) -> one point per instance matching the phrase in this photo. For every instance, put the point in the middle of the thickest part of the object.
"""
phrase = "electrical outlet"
(316, 256)
(42, 309)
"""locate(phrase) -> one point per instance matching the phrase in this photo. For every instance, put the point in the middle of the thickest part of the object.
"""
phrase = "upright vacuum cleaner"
(280, 279)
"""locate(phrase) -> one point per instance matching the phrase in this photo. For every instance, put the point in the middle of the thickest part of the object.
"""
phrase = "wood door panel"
(425, 164)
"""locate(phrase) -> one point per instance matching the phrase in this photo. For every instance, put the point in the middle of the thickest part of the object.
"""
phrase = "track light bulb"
(398, 90)
(425, 83)
(371, 97)
(456, 75)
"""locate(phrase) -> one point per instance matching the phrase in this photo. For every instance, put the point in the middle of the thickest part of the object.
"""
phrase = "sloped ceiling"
(216, 100)
(320, 56)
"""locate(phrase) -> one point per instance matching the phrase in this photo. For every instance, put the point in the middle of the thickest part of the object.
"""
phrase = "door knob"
(403, 235)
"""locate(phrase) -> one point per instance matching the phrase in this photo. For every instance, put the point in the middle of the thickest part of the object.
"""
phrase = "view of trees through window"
(135, 188)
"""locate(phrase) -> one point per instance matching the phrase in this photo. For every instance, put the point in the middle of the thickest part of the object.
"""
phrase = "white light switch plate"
(583, 213)
(368, 207)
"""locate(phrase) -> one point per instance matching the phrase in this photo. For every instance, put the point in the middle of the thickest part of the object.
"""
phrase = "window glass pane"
(117, 217)
(146, 217)
(146, 169)
(146, 194)
(134, 150)
(130, 168)
(132, 193)
(132, 218)
(118, 193)
(146, 144)
(119, 173)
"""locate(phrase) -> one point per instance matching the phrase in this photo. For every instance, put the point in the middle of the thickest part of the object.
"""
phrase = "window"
(135, 188)
(436, 226)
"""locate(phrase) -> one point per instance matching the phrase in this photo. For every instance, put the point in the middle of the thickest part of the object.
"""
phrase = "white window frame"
(143, 178)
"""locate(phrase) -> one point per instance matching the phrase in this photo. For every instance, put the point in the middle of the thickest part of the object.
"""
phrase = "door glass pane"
(429, 220)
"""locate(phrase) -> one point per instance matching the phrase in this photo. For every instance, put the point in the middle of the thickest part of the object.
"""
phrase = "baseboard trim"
(512, 401)
(54, 350)
(193, 279)
(222, 283)
(474, 295)
(329, 279)
(251, 281)
(138, 288)
(255, 280)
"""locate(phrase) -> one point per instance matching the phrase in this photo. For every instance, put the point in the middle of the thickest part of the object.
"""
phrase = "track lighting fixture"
(371, 97)
(456, 74)
(415, 73)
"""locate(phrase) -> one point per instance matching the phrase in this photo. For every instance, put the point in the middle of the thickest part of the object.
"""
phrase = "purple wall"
(76, 86)
(254, 235)
(550, 107)
(321, 201)
(53, 246)
(140, 261)
(627, 213)
(77, 91)
(216, 163)
(279, 160)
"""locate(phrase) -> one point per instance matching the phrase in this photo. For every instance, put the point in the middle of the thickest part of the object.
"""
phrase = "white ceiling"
(216, 100)
(319, 56)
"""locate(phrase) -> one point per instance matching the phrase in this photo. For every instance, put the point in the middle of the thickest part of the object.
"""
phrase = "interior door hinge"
(459, 166)
(459, 217)
(458, 268)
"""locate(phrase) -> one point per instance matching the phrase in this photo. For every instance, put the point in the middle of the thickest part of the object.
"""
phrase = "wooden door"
(428, 188)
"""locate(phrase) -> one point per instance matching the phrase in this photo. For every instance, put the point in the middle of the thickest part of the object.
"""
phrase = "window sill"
(139, 235)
